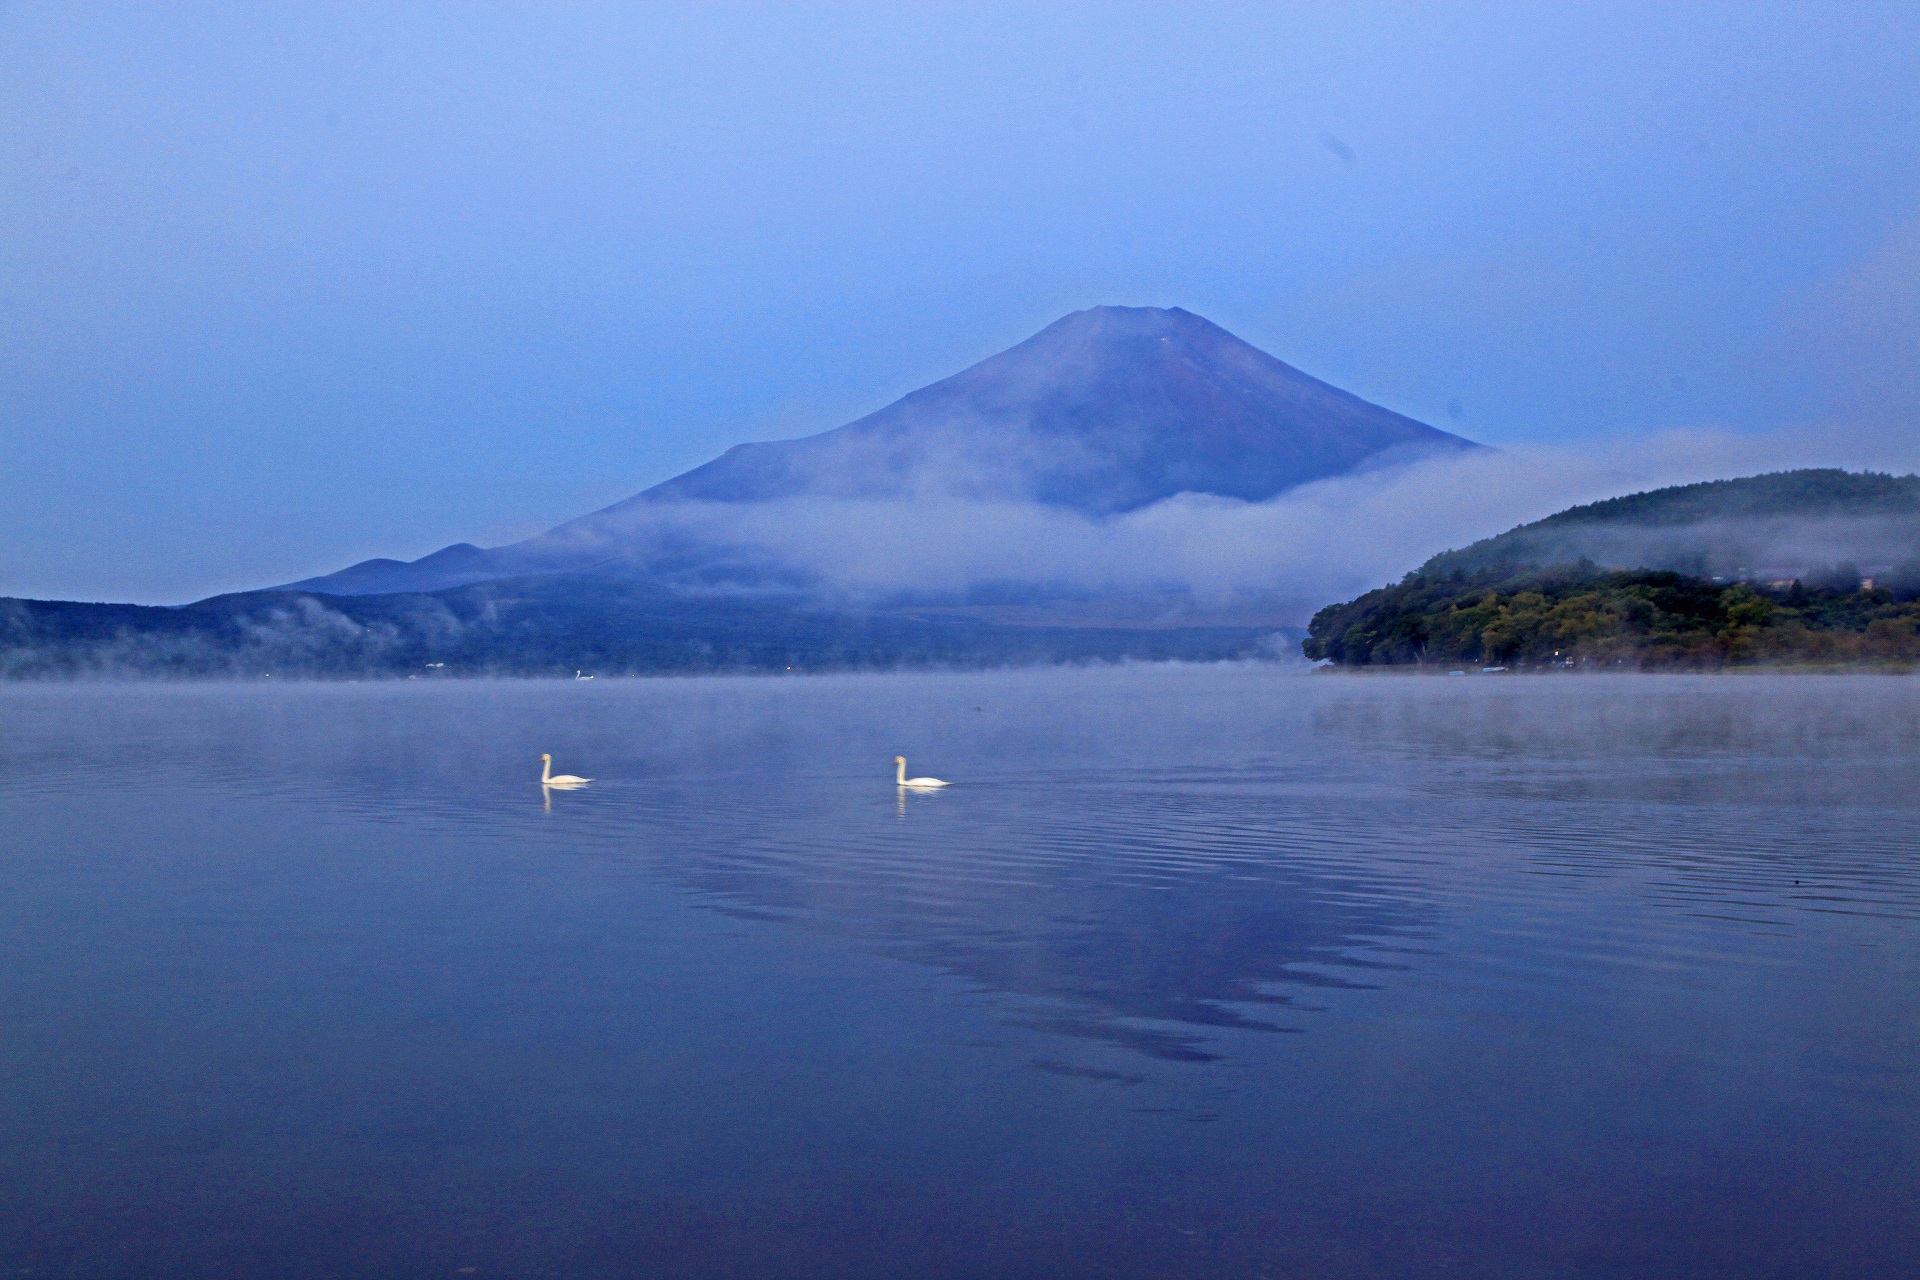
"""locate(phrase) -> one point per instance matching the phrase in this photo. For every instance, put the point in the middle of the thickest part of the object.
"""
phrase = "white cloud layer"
(1280, 559)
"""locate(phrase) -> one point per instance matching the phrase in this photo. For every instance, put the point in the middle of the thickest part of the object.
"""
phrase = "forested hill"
(1816, 566)
(1774, 527)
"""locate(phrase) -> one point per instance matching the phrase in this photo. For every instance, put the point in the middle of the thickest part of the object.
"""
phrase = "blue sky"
(283, 287)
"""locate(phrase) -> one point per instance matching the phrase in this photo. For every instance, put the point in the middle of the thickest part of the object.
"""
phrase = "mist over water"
(1207, 971)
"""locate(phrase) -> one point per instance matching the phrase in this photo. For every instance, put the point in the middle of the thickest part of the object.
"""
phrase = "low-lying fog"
(1283, 559)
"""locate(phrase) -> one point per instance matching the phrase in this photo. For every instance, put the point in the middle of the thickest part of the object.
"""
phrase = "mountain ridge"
(549, 625)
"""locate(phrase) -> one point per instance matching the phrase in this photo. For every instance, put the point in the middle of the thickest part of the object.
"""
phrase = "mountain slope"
(1782, 525)
(1104, 411)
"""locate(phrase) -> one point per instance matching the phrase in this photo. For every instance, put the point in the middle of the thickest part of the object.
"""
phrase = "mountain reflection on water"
(1117, 900)
(1136, 857)
(1110, 900)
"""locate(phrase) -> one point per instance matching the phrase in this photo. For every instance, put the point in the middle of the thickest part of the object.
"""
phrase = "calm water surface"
(1193, 972)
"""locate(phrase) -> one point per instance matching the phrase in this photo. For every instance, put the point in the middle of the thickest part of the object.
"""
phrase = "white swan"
(900, 775)
(548, 778)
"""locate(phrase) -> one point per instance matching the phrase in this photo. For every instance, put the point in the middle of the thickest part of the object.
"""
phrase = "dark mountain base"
(553, 625)
(1583, 616)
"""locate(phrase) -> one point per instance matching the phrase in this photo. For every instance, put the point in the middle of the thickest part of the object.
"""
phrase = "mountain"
(1102, 412)
(1775, 527)
(726, 568)
(1815, 566)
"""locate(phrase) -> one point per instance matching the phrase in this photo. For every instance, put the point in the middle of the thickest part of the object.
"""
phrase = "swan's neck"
(546, 771)
(900, 772)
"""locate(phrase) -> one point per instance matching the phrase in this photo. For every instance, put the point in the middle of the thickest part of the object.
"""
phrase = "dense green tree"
(1581, 615)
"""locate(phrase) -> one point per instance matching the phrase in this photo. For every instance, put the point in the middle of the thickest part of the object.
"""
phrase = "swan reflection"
(925, 796)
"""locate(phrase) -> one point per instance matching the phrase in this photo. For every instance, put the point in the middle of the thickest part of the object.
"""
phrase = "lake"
(1206, 971)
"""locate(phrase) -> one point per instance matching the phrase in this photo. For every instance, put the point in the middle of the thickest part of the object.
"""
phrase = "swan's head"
(899, 759)
(546, 757)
